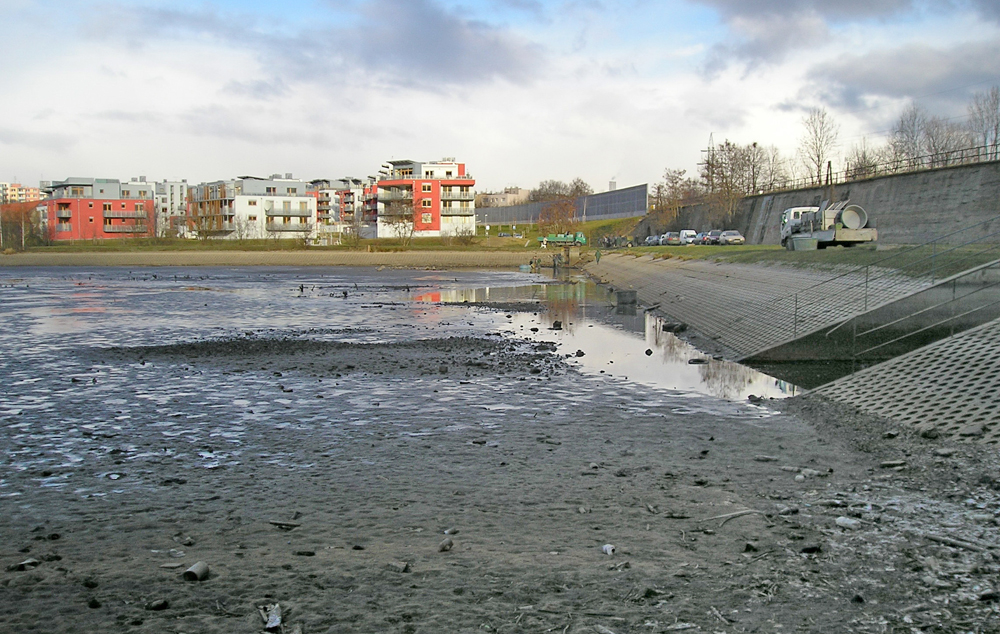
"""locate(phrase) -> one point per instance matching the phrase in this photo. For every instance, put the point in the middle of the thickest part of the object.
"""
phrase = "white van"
(688, 236)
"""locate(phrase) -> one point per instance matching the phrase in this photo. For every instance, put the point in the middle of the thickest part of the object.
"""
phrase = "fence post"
(933, 260)
(866, 287)
(795, 318)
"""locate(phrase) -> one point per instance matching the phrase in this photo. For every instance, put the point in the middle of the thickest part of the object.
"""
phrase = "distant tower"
(612, 186)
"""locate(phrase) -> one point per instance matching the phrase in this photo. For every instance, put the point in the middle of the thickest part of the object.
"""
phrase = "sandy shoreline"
(400, 259)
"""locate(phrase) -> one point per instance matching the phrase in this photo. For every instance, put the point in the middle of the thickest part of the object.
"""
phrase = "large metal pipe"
(853, 217)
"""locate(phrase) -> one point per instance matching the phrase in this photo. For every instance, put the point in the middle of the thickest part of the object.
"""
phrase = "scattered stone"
(157, 605)
(944, 452)
(446, 545)
(750, 548)
(889, 435)
(305, 553)
(399, 566)
(848, 523)
(971, 431)
(810, 473)
(811, 549)
(765, 458)
(89, 583)
(556, 325)
(171, 566)
(990, 596)
(892, 464)
(788, 510)
(27, 564)
(857, 598)
(357, 547)
(451, 531)
(930, 433)
(93, 604)
(579, 353)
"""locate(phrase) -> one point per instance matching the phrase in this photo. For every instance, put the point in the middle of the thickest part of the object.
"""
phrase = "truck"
(564, 238)
(829, 225)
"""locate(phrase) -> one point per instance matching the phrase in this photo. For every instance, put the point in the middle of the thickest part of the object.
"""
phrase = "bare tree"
(862, 161)
(578, 187)
(398, 216)
(819, 141)
(984, 121)
(558, 215)
(944, 139)
(907, 137)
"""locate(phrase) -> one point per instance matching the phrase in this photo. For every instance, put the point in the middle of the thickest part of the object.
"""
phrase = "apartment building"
(18, 193)
(171, 208)
(99, 209)
(508, 197)
(425, 199)
(251, 207)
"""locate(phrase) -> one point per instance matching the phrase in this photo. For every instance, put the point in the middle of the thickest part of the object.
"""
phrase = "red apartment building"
(440, 194)
(99, 209)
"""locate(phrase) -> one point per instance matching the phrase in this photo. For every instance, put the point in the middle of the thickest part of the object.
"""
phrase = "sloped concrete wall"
(908, 208)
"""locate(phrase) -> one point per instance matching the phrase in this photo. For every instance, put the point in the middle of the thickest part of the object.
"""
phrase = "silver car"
(732, 237)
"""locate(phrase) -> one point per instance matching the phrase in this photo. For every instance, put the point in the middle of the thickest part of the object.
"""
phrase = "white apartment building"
(252, 208)
(171, 208)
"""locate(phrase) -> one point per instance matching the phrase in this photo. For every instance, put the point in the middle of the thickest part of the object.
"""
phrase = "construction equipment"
(808, 228)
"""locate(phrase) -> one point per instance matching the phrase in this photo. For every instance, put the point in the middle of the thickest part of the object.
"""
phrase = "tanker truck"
(837, 224)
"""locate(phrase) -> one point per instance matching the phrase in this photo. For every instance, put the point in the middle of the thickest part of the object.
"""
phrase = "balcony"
(458, 196)
(125, 214)
(291, 213)
(391, 195)
(64, 226)
(64, 213)
(125, 229)
(277, 226)
(458, 211)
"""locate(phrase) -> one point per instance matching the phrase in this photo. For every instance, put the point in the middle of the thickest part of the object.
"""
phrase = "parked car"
(713, 237)
(731, 237)
(688, 236)
(700, 238)
(652, 241)
(503, 234)
(671, 238)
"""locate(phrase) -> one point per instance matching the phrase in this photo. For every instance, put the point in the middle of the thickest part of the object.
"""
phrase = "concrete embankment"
(400, 259)
(949, 388)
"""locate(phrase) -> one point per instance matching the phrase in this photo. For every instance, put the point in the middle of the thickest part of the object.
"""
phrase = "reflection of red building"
(99, 209)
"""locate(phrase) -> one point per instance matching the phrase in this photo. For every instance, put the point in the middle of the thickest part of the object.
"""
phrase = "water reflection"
(600, 337)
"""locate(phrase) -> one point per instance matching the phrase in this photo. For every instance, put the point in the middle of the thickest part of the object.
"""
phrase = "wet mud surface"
(384, 465)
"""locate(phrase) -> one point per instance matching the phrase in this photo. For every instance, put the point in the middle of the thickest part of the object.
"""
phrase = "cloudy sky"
(520, 90)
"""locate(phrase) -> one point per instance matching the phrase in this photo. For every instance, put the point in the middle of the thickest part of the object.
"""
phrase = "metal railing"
(276, 226)
(458, 196)
(862, 288)
(125, 229)
(902, 165)
(124, 214)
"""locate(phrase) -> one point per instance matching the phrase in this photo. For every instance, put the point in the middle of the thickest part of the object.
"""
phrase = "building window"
(270, 190)
(303, 205)
(107, 222)
(252, 203)
(91, 205)
(426, 202)
(293, 190)
(125, 193)
(91, 220)
(425, 218)
(107, 206)
(425, 187)
(430, 174)
(286, 220)
(447, 174)
(252, 218)
(286, 205)
(140, 207)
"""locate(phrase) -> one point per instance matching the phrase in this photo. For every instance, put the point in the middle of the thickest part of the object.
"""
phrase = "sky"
(519, 90)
